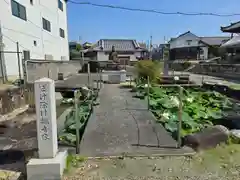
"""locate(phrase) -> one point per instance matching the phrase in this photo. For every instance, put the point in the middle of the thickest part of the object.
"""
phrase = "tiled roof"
(119, 44)
(216, 40)
(234, 42)
(233, 27)
(72, 43)
(142, 45)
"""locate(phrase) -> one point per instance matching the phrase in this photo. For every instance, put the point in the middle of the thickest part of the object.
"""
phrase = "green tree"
(78, 47)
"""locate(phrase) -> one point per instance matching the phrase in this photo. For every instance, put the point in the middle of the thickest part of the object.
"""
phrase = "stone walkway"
(122, 125)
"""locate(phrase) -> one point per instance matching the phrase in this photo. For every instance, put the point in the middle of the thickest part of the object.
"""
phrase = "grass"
(73, 161)
(222, 162)
(236, 86)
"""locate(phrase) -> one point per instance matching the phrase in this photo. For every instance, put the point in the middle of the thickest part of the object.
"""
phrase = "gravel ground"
(222, 163)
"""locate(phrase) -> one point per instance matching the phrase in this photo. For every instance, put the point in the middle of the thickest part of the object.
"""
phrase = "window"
(31, 2)
(60, 5)
(35, 43)
(18, 10)
(62, 33)
(189, 42)
(46, 24)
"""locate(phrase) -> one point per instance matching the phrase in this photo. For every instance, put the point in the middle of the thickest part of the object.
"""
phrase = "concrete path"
(123, 125)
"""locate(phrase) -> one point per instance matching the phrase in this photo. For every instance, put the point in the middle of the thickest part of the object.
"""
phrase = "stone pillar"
(46, 117)
(50, 162)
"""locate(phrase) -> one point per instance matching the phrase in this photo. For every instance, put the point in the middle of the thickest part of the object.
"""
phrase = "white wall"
(183, 41)
(101, 56)
(204, 55)
(15, 29)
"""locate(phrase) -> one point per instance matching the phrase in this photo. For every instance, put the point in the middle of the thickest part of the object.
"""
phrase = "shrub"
(145, 68)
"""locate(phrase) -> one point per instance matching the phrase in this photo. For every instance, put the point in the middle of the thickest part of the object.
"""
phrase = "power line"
(154, 11)
(19, 44)
(6, 1)
(21, 32)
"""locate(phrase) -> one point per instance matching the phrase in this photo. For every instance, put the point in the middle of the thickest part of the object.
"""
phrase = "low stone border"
(13, 114)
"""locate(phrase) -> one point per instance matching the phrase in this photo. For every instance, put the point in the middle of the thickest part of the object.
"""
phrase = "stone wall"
(37, 69)
(231, 71)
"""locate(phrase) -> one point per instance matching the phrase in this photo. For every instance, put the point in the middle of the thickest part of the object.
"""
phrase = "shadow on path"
(122, 124)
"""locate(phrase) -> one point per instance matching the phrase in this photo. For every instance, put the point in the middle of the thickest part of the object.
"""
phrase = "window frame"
(20, 11)
(189, 42)
(60, 5)
(46, 24)
(61, 33)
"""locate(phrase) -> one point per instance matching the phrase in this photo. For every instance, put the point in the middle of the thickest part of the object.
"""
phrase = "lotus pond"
(67, 136)
(201, 108)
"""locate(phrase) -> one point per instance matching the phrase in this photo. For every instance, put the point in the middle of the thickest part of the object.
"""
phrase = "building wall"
(37, 69)
(101, 56)
(182, 42)
(26, 32)
(187, 41)
(204, 55)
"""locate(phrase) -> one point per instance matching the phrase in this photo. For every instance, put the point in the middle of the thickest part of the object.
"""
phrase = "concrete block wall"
(230, 71)
(37, 69)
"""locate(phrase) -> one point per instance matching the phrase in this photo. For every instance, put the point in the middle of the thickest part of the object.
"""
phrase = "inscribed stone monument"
(50, 162)
(46, 117)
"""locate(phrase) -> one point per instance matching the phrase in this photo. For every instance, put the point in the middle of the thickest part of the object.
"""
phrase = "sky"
(90, 24)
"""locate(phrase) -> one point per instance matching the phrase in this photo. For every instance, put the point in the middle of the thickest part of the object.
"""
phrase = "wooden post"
(19, 62)
(130, 81)
(77, 120)
(2, 58)
(88, 69)
(202, 79)
(180, 116)
(148, 98)
(101, 79)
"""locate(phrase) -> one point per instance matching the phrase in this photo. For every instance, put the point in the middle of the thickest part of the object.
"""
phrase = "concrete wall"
(39, 69)
(26, 32)
(230, 71)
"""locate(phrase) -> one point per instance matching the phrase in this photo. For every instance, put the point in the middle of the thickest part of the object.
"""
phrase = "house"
(39, 27)
(192, 47)
(128, 50)
(233, 28)
(73, 45)
(232, 46)
(87, 45)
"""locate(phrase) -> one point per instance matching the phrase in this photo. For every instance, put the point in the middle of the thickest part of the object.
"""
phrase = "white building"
(129, 51)
(192, 47)
(39, 26)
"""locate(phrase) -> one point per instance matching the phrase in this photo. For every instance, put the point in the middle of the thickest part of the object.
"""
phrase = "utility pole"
(2, 55)
(151, 48)
(81, 50)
